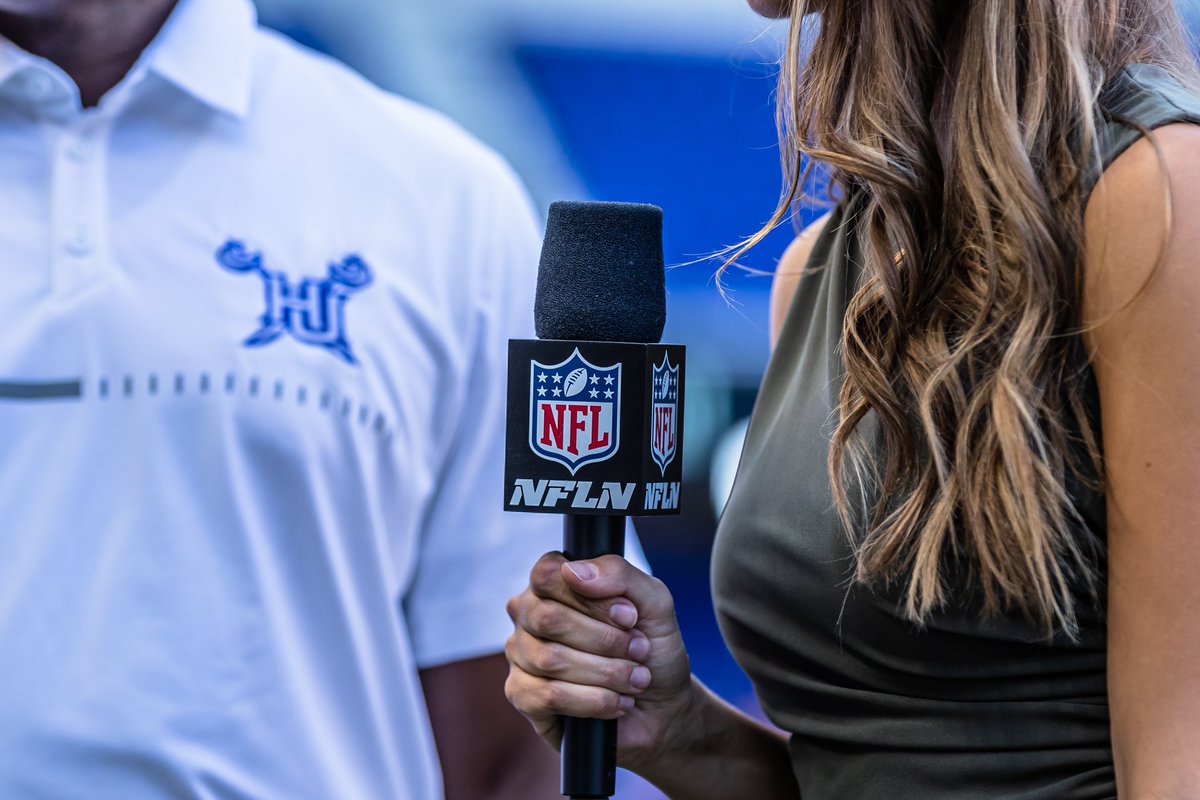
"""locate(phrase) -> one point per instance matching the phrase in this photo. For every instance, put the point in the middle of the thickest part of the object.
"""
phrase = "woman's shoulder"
(1143, 207)
(791, 267)
(1142, 217)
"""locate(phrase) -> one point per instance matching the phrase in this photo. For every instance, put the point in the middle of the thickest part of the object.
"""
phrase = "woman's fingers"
(591, 636)
(591, 632)
(521, 690)
(553, 621)
(547, 581)
(541, 699)
(611, 580)
(607, 589)
(555, 661)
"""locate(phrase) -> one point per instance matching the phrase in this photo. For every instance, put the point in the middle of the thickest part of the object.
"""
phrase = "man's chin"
(36, 9)
(774, 9)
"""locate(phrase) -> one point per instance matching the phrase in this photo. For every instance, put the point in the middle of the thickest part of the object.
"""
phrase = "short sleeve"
(473, 555)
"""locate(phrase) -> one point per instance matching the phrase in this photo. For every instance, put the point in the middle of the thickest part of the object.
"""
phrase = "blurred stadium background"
(660, 101)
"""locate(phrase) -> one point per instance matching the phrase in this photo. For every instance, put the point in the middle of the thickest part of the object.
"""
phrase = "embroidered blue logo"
(313, 311)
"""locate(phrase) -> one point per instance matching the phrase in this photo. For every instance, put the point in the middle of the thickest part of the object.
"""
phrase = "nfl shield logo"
(666, 407)
(574, 411)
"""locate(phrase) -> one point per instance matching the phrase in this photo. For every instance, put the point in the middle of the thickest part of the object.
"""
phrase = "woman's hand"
(599, 639)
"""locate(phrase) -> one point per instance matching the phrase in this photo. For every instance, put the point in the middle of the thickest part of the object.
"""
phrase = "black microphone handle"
(589, 746)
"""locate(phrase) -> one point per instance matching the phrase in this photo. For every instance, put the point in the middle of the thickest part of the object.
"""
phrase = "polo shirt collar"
(12, 60)
(206, 48)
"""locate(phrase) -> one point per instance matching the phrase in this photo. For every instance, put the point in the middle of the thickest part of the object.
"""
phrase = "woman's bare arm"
(1142, 293)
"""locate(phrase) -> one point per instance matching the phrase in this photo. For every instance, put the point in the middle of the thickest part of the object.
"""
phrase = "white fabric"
(222, 564)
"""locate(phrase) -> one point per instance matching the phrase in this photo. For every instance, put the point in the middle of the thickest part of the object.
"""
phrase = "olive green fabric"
(964, 708)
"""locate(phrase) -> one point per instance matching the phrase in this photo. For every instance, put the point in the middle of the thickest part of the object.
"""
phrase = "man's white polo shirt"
(253, 319)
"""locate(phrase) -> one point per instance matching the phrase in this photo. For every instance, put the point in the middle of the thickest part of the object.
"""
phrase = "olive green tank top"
(965, 707)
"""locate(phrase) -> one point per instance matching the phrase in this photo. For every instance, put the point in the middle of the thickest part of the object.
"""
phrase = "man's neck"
(94, 41)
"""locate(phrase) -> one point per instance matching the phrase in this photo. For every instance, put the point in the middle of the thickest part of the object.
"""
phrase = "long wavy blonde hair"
(964, 337)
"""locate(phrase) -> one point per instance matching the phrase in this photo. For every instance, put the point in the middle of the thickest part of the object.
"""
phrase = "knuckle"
(613, 565)
(548, 659)
(510, 688)
(514, 690)
(545, 574)
(613, 640)
(603, 703)
(524, 696)
(535, 619)
(513, 607)
(665, 599)
(544, 619)
(616, 675)
(553, 697)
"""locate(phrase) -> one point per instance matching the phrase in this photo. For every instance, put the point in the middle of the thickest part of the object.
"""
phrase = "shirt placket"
(79, 227)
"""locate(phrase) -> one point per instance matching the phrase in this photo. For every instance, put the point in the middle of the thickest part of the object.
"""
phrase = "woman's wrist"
(698, 726)
(679, 738)
(712, 750)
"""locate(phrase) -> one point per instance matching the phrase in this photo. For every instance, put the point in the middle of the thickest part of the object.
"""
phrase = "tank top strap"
(1142, 97)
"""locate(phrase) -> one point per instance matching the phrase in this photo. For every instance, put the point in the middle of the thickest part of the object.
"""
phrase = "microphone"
(595, 410)
(601, 276)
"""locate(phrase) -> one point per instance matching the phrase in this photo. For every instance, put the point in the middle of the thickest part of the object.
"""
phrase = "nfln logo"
(574, 411)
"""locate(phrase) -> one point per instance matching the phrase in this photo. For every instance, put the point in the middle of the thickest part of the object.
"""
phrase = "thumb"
(613, 576)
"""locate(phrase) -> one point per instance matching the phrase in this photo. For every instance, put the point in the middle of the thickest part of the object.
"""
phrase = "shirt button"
(78, 149)
(80, 243)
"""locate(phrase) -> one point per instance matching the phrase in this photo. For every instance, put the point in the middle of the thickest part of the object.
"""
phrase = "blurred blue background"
(666, 102)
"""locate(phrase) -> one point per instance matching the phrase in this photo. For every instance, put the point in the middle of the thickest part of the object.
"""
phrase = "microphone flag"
(593, 427)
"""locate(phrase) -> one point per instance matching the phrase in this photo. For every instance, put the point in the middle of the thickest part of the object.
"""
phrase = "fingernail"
(626, 703)
(639, 648)
(639, 677)
(624, 615)
(585, 572)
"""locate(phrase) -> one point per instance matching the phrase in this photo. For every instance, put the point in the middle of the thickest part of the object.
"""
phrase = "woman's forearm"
(715, 752)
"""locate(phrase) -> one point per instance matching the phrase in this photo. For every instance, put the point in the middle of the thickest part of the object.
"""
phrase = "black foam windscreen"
(601, 275)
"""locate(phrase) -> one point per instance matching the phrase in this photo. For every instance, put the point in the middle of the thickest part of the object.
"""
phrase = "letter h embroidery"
(312, 311)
